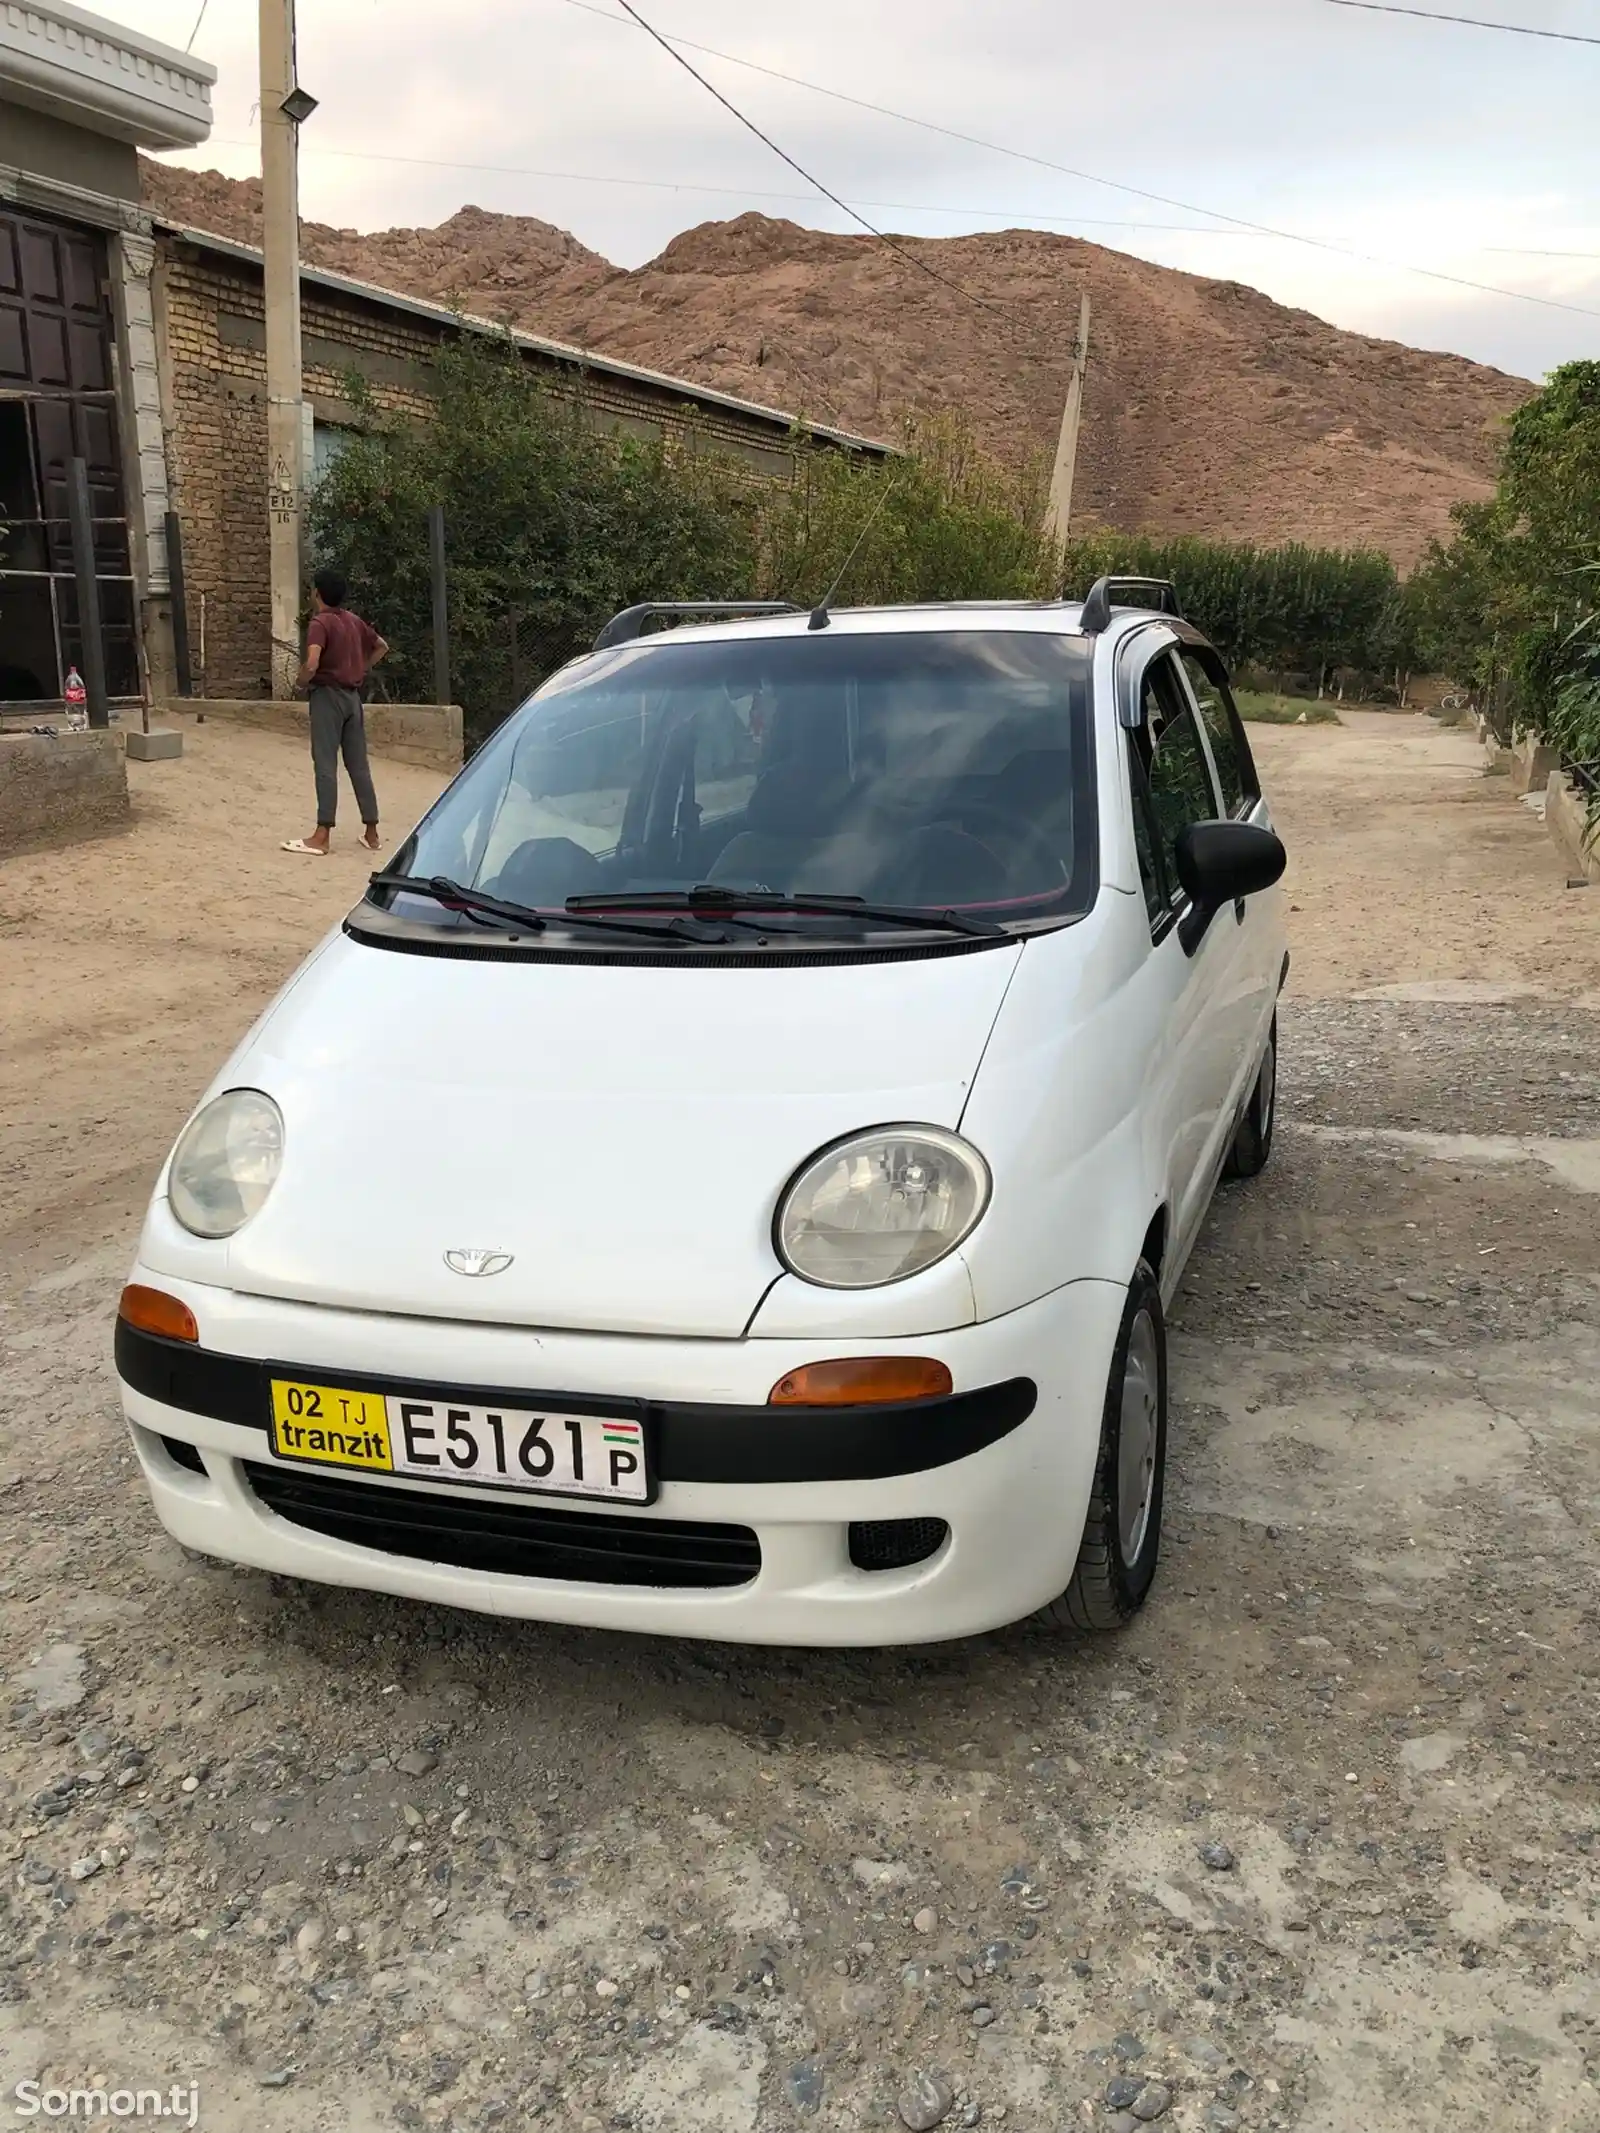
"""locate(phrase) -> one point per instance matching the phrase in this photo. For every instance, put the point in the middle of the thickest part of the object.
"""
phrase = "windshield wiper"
(713, 899)
(473, 903)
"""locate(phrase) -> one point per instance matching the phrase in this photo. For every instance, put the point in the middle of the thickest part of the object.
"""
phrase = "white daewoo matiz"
(725, 1177)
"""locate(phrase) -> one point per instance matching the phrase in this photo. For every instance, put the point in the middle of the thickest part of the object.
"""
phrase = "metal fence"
(520, 649)
(537, 642)
(488, 665)
(81, 632)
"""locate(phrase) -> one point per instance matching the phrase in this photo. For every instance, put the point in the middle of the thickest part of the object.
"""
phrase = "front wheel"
(1122, 1533)
(1252, 1143)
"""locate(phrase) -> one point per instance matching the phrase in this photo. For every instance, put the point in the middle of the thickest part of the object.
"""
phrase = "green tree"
(942, 523)
(1508, 605)
(548, 519)
(553, 525)
(1306, 611)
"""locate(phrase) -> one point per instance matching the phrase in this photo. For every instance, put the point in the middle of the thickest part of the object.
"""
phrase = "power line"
(194, 33)
(1026, 217)
(767, 141)
(949, 133)
(1471, 22)
(1138, 192)
(1022, 215)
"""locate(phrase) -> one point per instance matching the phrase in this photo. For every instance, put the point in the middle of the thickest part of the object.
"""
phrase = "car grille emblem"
(477, 1264)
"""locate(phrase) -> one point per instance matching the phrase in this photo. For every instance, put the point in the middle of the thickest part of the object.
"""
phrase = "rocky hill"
(1210, 409)
(492, 264)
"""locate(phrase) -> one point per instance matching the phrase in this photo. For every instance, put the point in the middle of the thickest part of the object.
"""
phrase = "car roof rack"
(624, 627)
(1104, 594)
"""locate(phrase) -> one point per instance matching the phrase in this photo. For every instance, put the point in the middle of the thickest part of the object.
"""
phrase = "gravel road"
(1314, 1846)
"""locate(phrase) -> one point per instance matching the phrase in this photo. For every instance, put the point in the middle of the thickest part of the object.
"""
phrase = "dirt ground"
(1315, 1846)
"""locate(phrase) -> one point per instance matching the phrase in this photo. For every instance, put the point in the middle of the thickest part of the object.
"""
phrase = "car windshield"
(945, 770)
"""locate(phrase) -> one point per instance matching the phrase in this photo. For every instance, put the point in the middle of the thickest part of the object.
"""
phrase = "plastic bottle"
(76, 697)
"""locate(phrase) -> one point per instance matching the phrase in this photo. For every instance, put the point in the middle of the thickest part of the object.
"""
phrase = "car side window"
(1181, 790)
(1152, 874)
(1230, 751)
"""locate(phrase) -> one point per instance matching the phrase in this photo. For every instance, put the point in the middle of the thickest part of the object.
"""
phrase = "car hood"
(618, 1133)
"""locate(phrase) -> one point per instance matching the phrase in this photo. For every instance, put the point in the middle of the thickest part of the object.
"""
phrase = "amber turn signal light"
(152, 1311)
(862, 1381)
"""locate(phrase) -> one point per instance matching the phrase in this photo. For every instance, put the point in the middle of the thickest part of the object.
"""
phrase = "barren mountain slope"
(1210, 408)
(490, 264)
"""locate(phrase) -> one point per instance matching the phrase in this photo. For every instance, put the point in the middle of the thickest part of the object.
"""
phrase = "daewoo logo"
(477, 1264)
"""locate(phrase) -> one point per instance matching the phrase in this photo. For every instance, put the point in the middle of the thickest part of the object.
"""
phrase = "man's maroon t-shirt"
(347, 644)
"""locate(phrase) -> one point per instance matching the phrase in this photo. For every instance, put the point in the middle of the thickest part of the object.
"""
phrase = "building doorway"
(28, 644)
(57, 403)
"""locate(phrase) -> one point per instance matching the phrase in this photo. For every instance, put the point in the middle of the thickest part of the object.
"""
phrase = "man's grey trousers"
(338, 726)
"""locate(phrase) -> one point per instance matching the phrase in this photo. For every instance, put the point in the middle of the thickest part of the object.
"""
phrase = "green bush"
(942, 523)
(551, 526)
(1572, 721)
(1508, 606)
(1308, 612)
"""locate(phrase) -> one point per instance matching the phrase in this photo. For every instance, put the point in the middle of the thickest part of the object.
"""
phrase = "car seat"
(795, 837)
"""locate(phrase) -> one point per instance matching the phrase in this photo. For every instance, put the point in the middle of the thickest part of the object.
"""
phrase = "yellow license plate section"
(327, 1426)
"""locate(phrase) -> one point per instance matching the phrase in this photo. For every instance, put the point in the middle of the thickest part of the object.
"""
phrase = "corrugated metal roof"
(536, 344)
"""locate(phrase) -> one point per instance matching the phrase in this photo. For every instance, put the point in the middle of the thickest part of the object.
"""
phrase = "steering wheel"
(1021, 840)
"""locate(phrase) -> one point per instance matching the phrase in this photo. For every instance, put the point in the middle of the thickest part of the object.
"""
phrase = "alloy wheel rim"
(1138, 1431)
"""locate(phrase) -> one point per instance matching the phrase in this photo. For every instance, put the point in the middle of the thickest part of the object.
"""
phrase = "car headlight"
(881, 1206)
(226, 1163)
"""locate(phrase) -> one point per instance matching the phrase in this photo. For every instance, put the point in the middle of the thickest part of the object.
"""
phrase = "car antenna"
(819, 614)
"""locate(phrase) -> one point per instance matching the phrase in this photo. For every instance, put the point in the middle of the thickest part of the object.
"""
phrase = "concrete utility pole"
(1058, 515)
(286, 471)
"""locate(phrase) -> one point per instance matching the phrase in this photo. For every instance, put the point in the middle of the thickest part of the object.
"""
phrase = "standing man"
(341, 649)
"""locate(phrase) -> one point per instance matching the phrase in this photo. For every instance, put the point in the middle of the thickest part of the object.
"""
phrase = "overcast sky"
(1473, 153)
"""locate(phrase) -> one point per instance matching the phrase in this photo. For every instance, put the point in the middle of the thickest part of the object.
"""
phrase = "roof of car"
(1055, 617)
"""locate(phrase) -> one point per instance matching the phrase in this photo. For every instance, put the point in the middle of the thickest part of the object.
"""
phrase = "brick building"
(78, 97)
(139, 346)
(211, 343)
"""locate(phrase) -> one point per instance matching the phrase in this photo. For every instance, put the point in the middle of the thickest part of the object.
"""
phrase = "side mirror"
(1218, 864)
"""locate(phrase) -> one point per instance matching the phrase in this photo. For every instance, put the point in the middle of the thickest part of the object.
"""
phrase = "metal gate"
(57, 403)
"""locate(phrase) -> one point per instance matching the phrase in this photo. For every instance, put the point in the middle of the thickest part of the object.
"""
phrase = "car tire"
(1252, 1144)
(1122, 1533)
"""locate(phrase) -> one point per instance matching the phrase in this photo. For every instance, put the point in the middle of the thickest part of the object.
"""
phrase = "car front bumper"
(779, 1494)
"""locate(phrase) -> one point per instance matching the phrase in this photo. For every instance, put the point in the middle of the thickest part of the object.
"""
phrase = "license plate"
(442, 1440)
